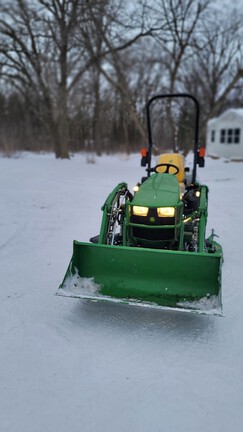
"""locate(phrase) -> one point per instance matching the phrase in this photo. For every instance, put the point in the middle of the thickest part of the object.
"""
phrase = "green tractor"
(152, 248)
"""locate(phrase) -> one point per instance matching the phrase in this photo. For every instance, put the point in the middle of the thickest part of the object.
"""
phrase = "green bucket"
(158, 277)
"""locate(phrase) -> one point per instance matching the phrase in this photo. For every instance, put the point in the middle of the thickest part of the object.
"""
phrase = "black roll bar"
(196, 135)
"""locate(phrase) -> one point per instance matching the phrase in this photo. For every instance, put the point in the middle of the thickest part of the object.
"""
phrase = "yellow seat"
(176, 159)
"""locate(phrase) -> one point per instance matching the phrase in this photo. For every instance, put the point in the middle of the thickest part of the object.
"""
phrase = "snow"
(76, 286)
(74, 365)
(86, 288)
(235, 112)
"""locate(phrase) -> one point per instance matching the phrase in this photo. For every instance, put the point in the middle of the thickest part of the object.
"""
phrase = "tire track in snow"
(13, 237)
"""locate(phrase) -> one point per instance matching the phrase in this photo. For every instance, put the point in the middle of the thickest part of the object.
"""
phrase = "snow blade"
(173, 279)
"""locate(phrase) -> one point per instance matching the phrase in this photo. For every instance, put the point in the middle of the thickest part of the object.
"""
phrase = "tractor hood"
(159, 190)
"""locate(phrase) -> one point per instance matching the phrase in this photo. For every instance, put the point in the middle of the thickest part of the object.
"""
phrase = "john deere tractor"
(152, 248)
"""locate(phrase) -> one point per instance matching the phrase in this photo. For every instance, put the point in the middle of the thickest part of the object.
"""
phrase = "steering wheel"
(168, 166)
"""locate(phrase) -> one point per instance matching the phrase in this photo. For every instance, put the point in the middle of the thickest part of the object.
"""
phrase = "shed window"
(222, 136)
(230, 136)
(212, 135)
(237, 136)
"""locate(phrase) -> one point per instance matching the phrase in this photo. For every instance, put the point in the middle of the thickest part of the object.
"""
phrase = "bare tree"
(217, 63)
(180, 21)
(84, 69)
(117, 32)
(37, 55)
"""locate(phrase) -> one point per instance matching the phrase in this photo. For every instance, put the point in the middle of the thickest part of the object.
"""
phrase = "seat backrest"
(175, 159)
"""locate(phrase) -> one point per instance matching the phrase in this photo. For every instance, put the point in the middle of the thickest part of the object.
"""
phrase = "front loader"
(152, 248)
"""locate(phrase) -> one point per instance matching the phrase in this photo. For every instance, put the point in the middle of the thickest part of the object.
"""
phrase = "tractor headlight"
(166, 211)
(140, 211)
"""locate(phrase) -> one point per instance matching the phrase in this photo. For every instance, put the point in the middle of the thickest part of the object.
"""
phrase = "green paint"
(153, 272)
(158, 276)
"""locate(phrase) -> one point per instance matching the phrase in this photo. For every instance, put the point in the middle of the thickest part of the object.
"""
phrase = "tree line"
(75, 74)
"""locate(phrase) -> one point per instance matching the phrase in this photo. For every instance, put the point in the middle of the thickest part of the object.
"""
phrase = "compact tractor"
(152, 248)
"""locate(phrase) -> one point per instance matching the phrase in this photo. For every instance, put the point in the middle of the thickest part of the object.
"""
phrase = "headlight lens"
(166, 211)
(140, 211)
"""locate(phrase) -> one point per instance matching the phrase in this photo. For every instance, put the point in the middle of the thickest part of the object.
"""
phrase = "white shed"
(225, 134)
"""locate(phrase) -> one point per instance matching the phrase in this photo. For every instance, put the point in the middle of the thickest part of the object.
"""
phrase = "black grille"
(152, 219)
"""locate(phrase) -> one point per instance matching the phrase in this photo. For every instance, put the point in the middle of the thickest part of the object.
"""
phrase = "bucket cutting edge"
(173, 279)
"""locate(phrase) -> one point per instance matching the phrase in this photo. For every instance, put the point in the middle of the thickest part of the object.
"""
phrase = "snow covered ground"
(70, 365)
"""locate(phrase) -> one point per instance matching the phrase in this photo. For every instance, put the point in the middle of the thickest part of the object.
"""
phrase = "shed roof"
(237, 112)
